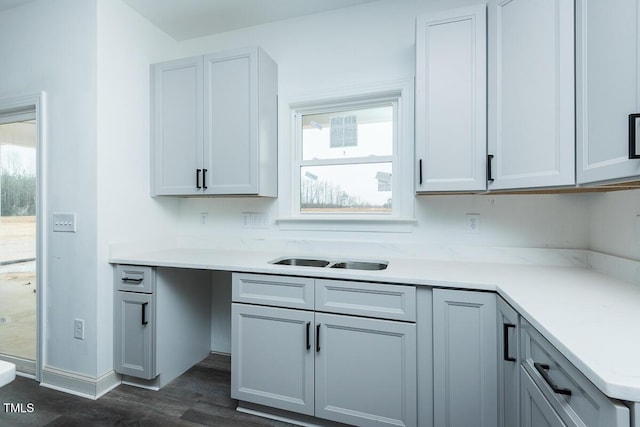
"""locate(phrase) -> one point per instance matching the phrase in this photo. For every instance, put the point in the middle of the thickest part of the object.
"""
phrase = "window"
(351, 156)
(347, 160)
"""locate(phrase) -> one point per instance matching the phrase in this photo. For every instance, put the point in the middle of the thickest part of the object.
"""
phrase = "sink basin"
(303, 262)
(360, 265)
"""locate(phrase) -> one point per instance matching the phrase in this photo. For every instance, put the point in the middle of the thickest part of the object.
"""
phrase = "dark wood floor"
(199, 397)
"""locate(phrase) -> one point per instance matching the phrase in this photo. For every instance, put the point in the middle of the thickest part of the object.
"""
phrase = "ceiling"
(185, 19)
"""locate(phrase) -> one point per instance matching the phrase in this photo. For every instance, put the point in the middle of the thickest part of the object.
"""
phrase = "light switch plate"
(64, 222)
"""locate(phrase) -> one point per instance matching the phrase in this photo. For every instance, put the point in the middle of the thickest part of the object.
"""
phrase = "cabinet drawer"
(135, 278)
(396, 302)
(277, 291)
(575, 398)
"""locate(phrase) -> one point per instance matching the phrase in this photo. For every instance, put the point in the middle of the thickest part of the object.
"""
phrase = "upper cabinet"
(451, 90)
(608, 84)
(496, 113)
(214, 125)
(531, 94)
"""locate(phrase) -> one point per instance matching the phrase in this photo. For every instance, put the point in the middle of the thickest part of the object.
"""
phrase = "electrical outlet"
(473, 223)
(64, 222)
(78, 329)
(255, 220)
(203, 218)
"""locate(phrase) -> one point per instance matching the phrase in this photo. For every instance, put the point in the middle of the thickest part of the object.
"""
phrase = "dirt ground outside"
(18, 286)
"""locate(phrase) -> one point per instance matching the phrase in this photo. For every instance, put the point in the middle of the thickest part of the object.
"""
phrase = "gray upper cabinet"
(214, 125)
(531, 94)
(608, 88)
(451, 91)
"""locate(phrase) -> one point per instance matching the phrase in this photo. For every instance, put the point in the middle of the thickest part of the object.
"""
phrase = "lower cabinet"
(508, 365)
(464, 359)
(162, 322)
(536, 409)
(555, 393)
(350, 369)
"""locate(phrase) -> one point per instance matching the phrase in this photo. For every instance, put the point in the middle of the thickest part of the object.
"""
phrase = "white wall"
(614, 225)
(126, 45)
(371, 43)
(50, 46)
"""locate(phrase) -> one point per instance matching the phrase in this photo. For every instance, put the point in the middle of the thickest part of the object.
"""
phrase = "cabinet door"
(177, 127)
(464, 359)
(231, 114)
(508, 367)
(536, 410)
(531, 97)
(608, 88)
(272, 356)
(135, 335)
(366, 371)
(451, 112)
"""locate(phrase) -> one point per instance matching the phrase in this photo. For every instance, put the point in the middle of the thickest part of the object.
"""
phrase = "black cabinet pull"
(633, 154)
(420, 171)
(144, 313)
(204, 179)
(489, 172)
(505, 342)
(542, 370)
(130, 280)
(198, 178)
(308, 336)
(318, 338)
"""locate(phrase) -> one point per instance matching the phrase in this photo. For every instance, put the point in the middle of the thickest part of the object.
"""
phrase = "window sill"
(358, 224)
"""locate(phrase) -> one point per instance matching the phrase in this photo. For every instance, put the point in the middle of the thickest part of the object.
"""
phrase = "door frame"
(11, 110)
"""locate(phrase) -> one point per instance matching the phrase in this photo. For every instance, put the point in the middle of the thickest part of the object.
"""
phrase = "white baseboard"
(78, 384)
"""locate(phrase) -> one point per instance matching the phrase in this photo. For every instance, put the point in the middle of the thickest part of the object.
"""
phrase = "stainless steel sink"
(303, 262)
(347, 265)
(360, 265)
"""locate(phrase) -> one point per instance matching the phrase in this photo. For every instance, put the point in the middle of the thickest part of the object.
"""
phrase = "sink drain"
(5, 319)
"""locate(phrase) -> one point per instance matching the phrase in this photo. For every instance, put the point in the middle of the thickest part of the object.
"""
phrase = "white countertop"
(593, 319)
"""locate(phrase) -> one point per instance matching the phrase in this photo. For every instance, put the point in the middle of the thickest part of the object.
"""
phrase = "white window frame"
(400, 94)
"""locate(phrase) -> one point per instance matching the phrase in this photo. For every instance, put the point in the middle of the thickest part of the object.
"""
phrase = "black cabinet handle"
(198, 178)
(130, 280)
(632, 136)
(308, 335)
(505, 342)
(318, 338)
(204, 179)
(542, 370)
(489, 172)
(420, 171)
(144, 313)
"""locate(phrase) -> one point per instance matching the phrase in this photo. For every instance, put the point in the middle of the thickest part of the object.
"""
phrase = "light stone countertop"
(593, 319)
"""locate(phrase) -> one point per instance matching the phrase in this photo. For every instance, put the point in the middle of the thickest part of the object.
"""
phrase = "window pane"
(356, 188)
(345, 134)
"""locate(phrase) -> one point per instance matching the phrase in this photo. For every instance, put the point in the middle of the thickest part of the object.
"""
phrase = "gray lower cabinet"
(555, 393)
(464, 359)
(508, 365)
(162, 322)
(135, 337)
(536, 409)
(346, 368)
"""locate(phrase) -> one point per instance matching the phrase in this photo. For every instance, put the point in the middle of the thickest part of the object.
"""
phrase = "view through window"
(346, 163)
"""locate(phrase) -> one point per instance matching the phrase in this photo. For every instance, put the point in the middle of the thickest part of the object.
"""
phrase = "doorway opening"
(20, 231)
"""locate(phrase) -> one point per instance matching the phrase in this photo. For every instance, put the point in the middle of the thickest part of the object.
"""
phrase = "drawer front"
(573, 396)
(276, 291)
(135, 278)
(396, 302)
